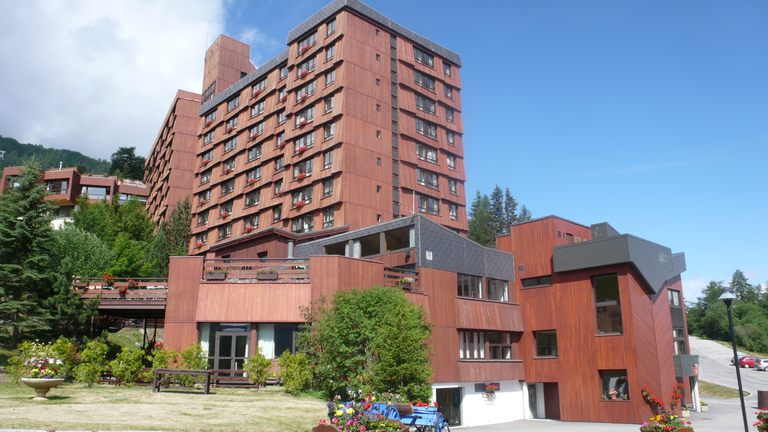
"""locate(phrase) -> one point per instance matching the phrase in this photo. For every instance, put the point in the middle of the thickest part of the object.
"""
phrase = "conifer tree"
(510, 209)
(498, 218)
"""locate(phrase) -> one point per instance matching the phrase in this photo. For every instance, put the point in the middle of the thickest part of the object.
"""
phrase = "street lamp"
(728, 298)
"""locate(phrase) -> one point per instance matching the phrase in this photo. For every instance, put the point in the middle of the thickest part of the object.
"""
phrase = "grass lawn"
(708, 389)
(106, 407)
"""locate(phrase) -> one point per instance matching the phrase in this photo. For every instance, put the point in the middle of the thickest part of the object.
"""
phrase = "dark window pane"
(607, 304)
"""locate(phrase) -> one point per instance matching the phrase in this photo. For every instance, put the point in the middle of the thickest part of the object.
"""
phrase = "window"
(329, 130)
(423, 57)
(330, 77)
(546, 343)
(227, 187)
(302, 169)
(447, 68)
(426, 128)
(208, 137)
(253, 175)
(302, 224)
(230, 144)
(453, 211)
(425, 81)
(279, 164)
(674, 298)
(327, 187)
(202, 218)
(233, 103)
(607, 304)
(449, 114)
(205, 176)
(283, 72)
(282, 95)
(210, 118)
(225, 210)
(231, 124)
(452, 186)
(254, 152)
(448, 92)
(537, 281)
(305, 67)
(278, 187)
(277, 214)
(202, 239)
(307, 43)
(615, 385)
(471, 345)
(427, 178)
(678, 335)
(469, 286)
(500, 345)
(302, 197)
(427, 153)
(329, 52)
(251, 222)
(256, 130)
(428, 204)
(252, 198)
(451, 161)
(258, 88)
(225, 231)
(303, 143)
(451, 137)
(305, 91)
(328, 104)
(425, 104)
(280, 139)
(207, 157)
(229, 165)
(305, 116)
(257, 109)
(327, 159)
(204, 197)
(281, 117)
(328, 217)
(330, 27)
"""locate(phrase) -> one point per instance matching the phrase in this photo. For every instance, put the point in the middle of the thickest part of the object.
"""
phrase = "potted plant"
(41, 369)
(216, 275)
(107, 280)
(405, 283)
(266, 274)
(704, 406)
(490, 391)
(762, 421)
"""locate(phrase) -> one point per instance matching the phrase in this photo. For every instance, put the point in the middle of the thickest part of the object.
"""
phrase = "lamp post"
(728, 298)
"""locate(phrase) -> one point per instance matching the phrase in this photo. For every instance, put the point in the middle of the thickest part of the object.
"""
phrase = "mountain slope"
(17, 153)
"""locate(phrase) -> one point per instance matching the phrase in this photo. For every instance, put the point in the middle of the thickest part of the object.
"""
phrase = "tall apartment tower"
(357, 122)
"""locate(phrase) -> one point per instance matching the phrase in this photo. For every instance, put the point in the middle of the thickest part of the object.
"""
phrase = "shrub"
(128, 366)
(258, 369)
(67, 352)
(192, 357)
(296, 371)
(762, 421)
(93, 362)
(159, 358)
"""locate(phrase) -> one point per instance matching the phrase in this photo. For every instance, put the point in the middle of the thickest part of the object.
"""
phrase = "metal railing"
(255, 270)
(122, 289)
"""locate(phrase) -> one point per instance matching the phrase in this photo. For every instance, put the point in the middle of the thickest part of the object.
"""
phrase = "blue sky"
(650, 115)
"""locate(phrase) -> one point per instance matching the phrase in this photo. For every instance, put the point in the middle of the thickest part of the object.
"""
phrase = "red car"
(747, 361)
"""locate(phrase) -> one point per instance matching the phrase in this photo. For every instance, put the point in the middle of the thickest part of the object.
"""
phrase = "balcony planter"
(200, 245)
(250, 181)
(266, 274)
(229, 129)
(225, 215)
(299, 204)
(301, 176)
(405, 283)
(216, 275)
(228, 170)
(282, 98)
(302, 148)
(249, 228)
(42, 386)
(302, 122)
(208, 123)
(256, 93)
(281, 145)
(303, 73)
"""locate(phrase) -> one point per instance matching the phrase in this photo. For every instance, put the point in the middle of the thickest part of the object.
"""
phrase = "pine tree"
(742, 289)
(480, 228)
(172, 238)
(510, 209)
(525, 214)
(498, 219)
(26, 275)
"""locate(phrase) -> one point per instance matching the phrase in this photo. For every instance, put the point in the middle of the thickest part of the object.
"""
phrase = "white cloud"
(693, 285)
(93, 75)
(259, 42)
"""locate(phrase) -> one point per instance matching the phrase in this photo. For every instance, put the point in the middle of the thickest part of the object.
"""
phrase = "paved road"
(715, 367)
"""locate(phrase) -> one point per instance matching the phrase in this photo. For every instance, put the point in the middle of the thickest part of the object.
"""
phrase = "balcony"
(125, 297)
(250, 270)
(407, 280)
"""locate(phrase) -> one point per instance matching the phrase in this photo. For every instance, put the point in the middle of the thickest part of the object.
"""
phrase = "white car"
(761, 364)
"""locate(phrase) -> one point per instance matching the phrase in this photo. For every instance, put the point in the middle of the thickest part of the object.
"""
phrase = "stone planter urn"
(42, 386)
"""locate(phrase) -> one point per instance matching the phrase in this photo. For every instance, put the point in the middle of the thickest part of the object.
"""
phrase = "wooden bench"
(162, 376)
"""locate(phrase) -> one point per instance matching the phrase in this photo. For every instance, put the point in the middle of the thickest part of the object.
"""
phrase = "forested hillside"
(17, 154)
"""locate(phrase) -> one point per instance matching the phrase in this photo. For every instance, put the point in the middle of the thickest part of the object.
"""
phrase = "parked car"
(761, 364)
(735, 360)
(747, 361)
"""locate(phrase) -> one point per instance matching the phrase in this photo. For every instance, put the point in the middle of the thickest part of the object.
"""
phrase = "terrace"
(139, 297)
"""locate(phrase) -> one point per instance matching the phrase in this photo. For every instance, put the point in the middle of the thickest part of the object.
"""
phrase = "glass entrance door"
(231, 351)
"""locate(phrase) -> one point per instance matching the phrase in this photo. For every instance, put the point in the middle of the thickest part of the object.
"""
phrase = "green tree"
(126, 164)
(480, 225)
(525, 214)
(26, 275)
(742, 289)
(353, 344)
(258, 368)
(510, 209)
(172, 238)
(93, 362)
(80, 253)
(296, 372)
(498, 219)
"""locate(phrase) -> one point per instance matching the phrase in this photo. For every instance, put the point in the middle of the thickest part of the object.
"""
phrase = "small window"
(205, 176)
(302, 169)
(425, 104)
(447, 68)
(207, 157)
(674, 298)
(330, 77)
(328, 217)
(328, 103)
(225, 231)
(231, 124)
(428, 204)
(327, 187)
(305, 91)
(281, 117)
(278, 187)
(258, 88)
(279, 164)
(257, 109)
(500, 345)
(302, 224)
(450, 137)
(680, 346)
(283, 72)
(208, 137)
(426, 128)
(423, 57)
(252, 198)
(546, 343)
(303, 143)
(327, 159)
(330, 52)
(425, 81)
(615, 385)
(427, 178)
(305, 67)
(277, 214)
(469, 286)
(210, 118)
(305, 116)
(451, 161)
(302, 197)
(537, 281)
(449, 113)
(448, 92)
(307, 43)
(229, 165)
(254, 153)
(233, 103)
(251, 222)
(204, 197)
(230, 144)
(202, 218)
(202, 239)
(227, 187)
(607, 304)
(253, 175)
(427, 153)
(452, 186)
(329, 130)
(330, 27)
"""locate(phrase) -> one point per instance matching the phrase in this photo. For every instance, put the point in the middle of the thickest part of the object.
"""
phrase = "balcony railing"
(250, 270)
(407, 280)
(123, 289)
